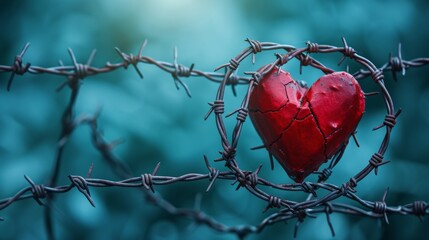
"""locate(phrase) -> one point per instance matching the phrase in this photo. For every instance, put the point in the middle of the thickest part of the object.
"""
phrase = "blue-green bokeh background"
(163, 125)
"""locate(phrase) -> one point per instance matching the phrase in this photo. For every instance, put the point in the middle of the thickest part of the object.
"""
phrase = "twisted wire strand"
(80, 71)
(250, 180)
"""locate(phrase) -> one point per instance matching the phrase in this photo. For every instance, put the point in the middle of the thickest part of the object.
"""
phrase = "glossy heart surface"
(304, 127)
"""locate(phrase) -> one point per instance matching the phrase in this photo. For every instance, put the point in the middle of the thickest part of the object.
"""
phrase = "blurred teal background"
(161, 124)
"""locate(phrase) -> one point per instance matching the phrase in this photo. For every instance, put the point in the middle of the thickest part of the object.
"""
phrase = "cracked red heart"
(304, 127)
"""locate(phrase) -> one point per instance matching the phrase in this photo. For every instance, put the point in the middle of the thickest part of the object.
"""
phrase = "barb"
(318, 202)
(395, 64)
(131, 59)
(181, 71)
(84, 70)
(377, 209)
(17, 67)
(303, 56)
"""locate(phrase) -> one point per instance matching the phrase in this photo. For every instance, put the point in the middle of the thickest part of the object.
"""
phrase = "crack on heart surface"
(304, 127)
(284, 147)
(316, 121)
(295, 117)
(332, 133)
(290, 108)
(287, 127)
(280, 107)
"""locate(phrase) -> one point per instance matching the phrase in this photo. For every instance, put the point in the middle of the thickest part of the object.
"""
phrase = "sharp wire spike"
(88, 175)
(371, 94)
(155, 171)
(271, 161)
(91, 57)
(400, 57)
(142, 47)
(355, 139)
(24, 50)
(257, 147)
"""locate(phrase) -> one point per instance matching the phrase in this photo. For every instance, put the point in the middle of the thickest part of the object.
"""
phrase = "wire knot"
(308, 188)
(241, 178)
(81, 184)
(38, 191)
(348, 51)
(252, 179)
(344, 189)
(218, 107)
(81, 71)
(132, 59)
(233, 64)
(232, 80)
(282, 59)
(256, 76)
(17, 66)
(255, 45)
(380, 207)
(328, 208)
(390, 120)
(377, 75)
(182, 71)
(273, 202)
(325, 174)
(147, 181)
(242, 114)
(377, 161)
(301, 215)
(213, 173)
(419, 208)
(312, 47)
(396, 64)
(247, 178)
(229, 153)
(306, 60)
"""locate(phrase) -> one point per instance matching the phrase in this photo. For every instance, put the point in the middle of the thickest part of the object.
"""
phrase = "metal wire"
(80, 71)
(249, 180)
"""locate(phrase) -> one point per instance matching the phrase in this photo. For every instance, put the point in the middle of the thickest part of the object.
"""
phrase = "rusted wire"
(316, 203)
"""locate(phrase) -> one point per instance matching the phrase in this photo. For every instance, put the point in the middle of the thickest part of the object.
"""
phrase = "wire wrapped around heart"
(303, 55)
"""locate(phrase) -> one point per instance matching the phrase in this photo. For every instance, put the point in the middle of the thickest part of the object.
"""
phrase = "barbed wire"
(80, 70)
(249, 180)
(378, 209)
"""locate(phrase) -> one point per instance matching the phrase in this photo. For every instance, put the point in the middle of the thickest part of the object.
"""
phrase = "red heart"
(302, 128)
